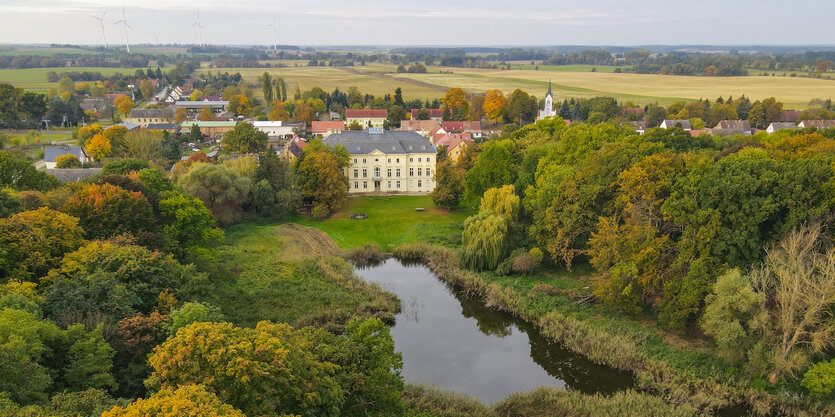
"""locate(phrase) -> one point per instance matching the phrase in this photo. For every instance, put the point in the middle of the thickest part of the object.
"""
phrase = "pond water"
(457, 344)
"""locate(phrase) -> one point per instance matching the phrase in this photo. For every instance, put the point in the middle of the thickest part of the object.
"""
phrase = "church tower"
(548, 111)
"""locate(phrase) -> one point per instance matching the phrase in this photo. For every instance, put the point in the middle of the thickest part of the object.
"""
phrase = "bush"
(67, 161)
(369, 254)
(124, 166)
(820, 379)
(320, 211)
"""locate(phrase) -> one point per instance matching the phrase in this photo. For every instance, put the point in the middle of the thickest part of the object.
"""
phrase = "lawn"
(392, 221)
(288, 273)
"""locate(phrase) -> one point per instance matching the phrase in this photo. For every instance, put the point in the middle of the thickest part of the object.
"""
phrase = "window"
(376, 172)
(388, 185)
(376, 160)
(419, 185)
(411, 183)
(356, 184)
(389, 160)
(356, 173)
(411, 159)
(355, 160)
(398, 184)
(365, 184)
(398, 173)
(411, 172)
(398, 160)
(363, 160)
(388, 172)
(429, 159)
(418, 159)
(420, 171)
(364, 173)
(428, 173)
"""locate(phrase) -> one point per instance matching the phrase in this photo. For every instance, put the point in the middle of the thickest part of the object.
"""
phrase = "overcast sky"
(425, 22)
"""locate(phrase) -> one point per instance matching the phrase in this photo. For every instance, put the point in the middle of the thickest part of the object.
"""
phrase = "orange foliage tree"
(106, 210)
(494, 105)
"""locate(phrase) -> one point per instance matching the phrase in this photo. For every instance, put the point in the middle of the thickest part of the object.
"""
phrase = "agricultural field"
(34, 79)
(568, 81)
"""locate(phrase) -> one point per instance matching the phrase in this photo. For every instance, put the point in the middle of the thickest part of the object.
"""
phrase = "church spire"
(549, 89)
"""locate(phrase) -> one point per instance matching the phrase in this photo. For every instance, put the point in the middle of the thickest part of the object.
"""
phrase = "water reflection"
(456, 343)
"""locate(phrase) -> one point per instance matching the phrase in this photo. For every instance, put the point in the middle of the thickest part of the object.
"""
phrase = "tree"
(98, 147)
(819, 380)
(10, 104)
(733, 312)
(278, 111)
(9, 204)
(67, 161)
(187, 221)
(147, 90)
(455, 100)
(221, 189)
(495, 166)
(124, 104)
(206, 114)
(18, 173)
(483, 241)
(24, 341)
(304, 112)
(494, 105)
(282, 183)
(35, 241)
(449, 185)
(85, 133)
(501, 201)
(240, 105)
(106, 210)
(181, 114)
(90, 360)
(321, 179)
(185, 400)
(764, 113)
(194, 312)
(244, 138)
(521, 107)
(124, 166)
(265, 370)
(116, 135)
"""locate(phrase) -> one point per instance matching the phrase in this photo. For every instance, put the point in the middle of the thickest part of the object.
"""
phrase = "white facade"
(273, 128)
(394, 173)
(548, 111)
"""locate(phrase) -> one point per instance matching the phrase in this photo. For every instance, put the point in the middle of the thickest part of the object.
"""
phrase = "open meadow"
(34, 79)
(567, 81)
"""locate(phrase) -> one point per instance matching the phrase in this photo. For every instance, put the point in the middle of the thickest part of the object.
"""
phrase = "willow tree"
(483, 241)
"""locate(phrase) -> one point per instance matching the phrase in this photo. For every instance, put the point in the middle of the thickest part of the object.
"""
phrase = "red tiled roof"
(431, 112)
(451, 140)
(418, 124)
(366, 113)
(324, 126)
(467, 125)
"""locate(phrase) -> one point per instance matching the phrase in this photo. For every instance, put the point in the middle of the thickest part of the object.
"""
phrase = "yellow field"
(640, 88)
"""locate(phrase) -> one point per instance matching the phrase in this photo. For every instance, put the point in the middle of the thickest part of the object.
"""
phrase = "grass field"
(288, 273)
(568, 81)
(392, 221)
(34, 79)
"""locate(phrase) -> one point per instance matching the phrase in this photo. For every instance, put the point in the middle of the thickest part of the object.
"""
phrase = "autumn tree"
(67, 161)
(124, 104)
(449, 185)
(244, 138)
(36, 241)
(304, 112)
(240, 105)
(278, 111)
(106, 210)
(455, 100)
(98, 147)
(521, 107)
(147, 90)
(184, 400)
(265, 370)
(180, 115)
(206, 115)
(494, 104)
(321, 179)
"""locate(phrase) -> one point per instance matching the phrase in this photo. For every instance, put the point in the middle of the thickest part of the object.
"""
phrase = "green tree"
(483, 243)
(35, 241)
(819, 380)
(220, 188)
(267, 87)
(495, 166)
(124, 166)
(521, 107)
(9, 204)
(90, 360)
(187, 221)
(19, 174)
(10, 104)
(24, 342)
(194, 312)
(244, 138)
(733, 312)
(449, 185)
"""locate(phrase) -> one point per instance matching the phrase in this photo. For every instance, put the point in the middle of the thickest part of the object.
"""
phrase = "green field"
(34, 79)
(392, 221)
(568, 81)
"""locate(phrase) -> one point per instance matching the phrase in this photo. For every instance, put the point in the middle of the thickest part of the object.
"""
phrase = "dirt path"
(301, 242)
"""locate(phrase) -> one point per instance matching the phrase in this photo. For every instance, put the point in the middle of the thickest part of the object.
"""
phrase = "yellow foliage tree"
(278, 111)
(240, 105)
(67, 161)
(180, 115)
(86, 133)
(124, 104)
(99, 147)
(455, 100)
(186, 401)
(206, 115)
(494, 105)
(196, 95)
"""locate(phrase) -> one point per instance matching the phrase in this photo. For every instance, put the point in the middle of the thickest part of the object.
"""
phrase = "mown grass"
(392, 221)
(282, 274)
(34, 79)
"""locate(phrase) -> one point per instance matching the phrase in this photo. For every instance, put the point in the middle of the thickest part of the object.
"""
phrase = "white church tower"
(548, 111)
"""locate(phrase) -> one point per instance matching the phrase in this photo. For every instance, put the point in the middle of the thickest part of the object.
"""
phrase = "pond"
(457, 344)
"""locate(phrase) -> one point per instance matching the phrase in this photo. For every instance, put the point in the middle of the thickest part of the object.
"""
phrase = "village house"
(144, 117)
(462, 126)
(193, 108)
(50, 153)
(292, 149)
(454, 143)
(326, 128)
(820, 124)
(682, 123)
(421, 127)
(781, 126)
(435, 115)
(164, 127)
(732, 127)
(789, 116)
(387, 161)
(213, 129)
(275, 129)
(366, 117)
(640, 127)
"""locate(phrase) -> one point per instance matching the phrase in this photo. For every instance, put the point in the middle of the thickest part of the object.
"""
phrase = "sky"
(425, 22)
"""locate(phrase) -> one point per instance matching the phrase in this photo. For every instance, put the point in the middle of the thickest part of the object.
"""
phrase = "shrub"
(67, 161)
(369, 254)
(820, 379)
(124, 166)
(320, 211)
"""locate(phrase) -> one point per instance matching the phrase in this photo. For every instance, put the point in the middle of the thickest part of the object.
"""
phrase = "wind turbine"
(199, 28)
(125, 25)
(101, 21)
(274, 25)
